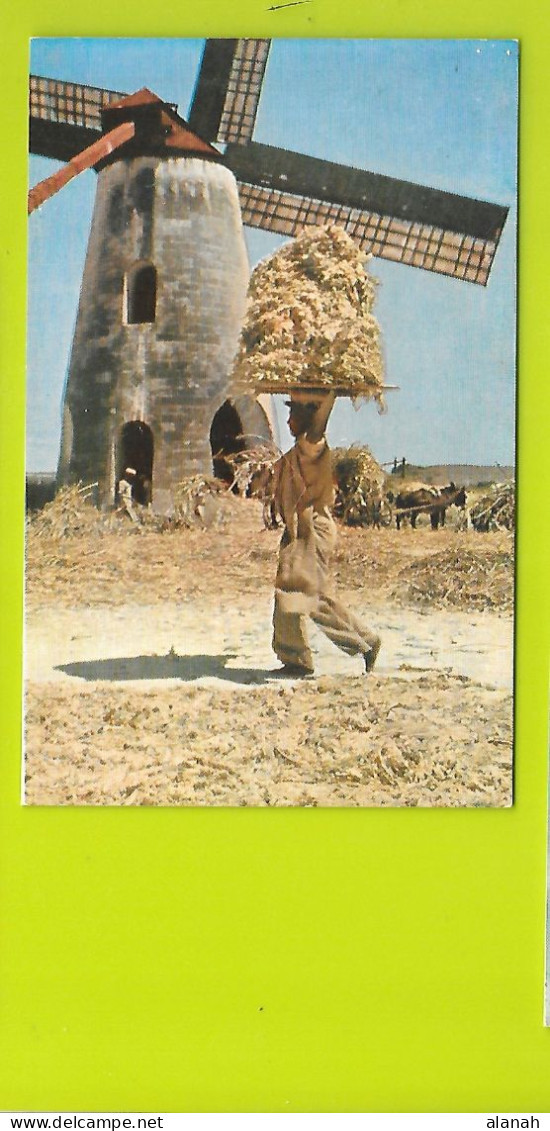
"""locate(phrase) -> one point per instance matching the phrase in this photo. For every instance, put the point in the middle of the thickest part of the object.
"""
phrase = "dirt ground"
(150, 678)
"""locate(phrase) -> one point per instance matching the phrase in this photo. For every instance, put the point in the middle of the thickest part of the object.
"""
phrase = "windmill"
(165, 278)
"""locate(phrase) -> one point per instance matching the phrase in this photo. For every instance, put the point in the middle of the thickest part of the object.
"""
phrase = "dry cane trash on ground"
(433, 739)
(432, 742)
(464, 579)
(309, 323)
(449, 568)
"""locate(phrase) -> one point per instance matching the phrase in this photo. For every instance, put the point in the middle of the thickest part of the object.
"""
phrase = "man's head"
(301, 415)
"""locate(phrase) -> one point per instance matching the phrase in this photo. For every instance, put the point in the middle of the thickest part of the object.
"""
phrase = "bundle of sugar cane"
(308, 323)
(190, 496)
(496, 510)
(359, 481)
(248, 464)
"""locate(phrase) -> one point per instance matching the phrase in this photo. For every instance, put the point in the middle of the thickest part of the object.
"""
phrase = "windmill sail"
(225, 101)
(98, 151)
(65, 117)
(282, 191)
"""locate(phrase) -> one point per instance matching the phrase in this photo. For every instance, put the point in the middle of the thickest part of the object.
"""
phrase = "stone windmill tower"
(166, 271)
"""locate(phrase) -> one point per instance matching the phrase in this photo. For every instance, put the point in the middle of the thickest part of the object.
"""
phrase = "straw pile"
(462, 578)
(359, 481)
(191, 495)
(309, 323)
(71, 512)
(202, 501)
(496, 509)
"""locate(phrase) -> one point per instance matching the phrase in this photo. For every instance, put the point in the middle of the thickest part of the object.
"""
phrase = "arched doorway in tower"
(226, 438)
(135, 459)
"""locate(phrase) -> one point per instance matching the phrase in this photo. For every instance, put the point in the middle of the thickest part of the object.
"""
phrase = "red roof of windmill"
(177, 132)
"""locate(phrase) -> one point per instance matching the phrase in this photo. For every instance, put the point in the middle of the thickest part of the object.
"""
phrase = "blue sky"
(438, 112)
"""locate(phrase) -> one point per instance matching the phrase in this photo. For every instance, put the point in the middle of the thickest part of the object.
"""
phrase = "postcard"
(271, 394)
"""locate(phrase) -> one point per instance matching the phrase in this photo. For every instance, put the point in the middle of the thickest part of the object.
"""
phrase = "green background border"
(398, 955)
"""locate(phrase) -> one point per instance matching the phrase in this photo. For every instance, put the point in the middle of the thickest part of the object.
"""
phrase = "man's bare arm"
(319, 423)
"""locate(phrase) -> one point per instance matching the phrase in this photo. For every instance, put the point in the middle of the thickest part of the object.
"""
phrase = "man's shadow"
(171, 666)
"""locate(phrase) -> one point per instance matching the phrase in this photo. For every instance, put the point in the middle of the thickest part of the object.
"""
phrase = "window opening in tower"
(141, 294)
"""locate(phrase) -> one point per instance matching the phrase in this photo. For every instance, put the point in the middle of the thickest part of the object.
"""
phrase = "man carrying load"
(309, 332)
(304, 494)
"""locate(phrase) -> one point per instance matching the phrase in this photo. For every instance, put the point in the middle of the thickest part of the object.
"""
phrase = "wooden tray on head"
(312, 393)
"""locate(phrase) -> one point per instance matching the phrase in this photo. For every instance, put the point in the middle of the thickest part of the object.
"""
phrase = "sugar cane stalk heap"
(308, 325)
(359, 482)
